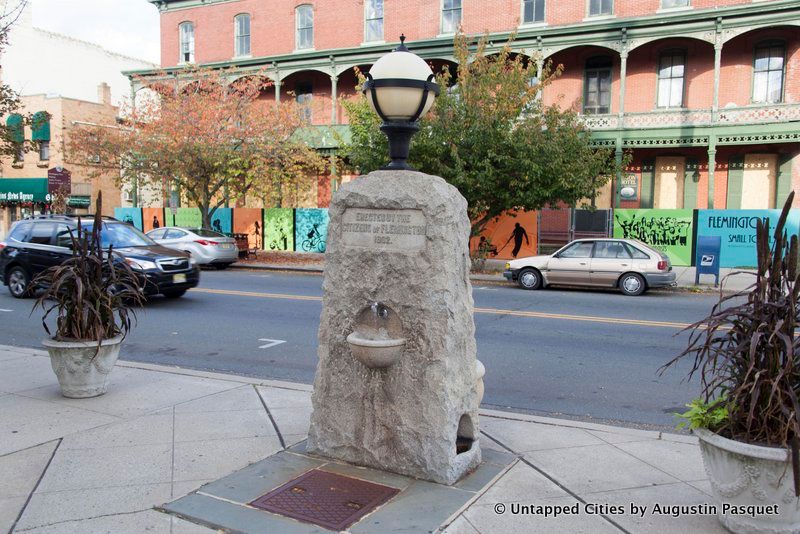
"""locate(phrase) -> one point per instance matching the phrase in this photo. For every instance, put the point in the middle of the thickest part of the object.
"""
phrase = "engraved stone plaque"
(384, 229)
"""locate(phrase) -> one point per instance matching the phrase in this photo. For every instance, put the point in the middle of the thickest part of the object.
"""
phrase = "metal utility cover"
(325, 499)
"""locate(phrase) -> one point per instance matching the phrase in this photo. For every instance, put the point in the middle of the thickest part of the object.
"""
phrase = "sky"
(128, 27)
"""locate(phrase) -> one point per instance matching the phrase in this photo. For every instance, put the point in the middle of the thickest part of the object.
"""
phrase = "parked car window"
(206, 233)
(41, 233)
(157, 234)
(578, 250)
(63, 236)
(610, 250)
(121, 235)
(172, 233)
(636, 253)
(20, 231)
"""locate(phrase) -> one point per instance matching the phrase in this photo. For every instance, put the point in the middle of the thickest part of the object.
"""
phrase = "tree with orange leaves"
(215, 142)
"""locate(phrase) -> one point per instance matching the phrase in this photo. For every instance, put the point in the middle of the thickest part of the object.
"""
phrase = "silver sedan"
(206, 246)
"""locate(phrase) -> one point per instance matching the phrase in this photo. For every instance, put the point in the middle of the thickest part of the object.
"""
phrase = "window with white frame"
(532, 11)
(451, 16)
(186, 30)
(768, 74)
(373, 20)
(303, 95)
(597, 85)
(241, 40)
(601, 7)
(44, 150)
(669, 4)
(671, 75)
(304, 20)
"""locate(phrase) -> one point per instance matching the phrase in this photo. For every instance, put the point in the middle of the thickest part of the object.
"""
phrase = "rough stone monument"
(396, 386)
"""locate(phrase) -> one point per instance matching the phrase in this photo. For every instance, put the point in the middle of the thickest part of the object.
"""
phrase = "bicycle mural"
(311, 229)
(279, 229)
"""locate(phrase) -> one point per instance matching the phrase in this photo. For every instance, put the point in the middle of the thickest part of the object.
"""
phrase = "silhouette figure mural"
(669, 231)
(279, 229)
(517, 234)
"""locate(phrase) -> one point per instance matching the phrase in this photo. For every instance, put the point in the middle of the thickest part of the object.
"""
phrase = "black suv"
(34, 245)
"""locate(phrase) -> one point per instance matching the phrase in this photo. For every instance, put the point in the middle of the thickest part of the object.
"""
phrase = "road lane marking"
(5, 310)
(488, 311)
(272, 342)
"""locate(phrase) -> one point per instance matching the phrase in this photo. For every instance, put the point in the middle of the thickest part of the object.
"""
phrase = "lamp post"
(400, 88)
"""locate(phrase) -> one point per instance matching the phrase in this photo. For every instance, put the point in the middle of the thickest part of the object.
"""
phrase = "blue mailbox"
(707, 258)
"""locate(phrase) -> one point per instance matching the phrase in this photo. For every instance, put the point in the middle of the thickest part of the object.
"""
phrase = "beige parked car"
(627, 264)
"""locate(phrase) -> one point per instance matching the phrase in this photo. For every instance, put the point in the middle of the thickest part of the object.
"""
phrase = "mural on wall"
(132, 216)
(669, 231)
(512, 235)
(311, 229)
(737, 230)
(185, 217)
(153, 217)
(222, 221)
(249, 221)
(278, 229)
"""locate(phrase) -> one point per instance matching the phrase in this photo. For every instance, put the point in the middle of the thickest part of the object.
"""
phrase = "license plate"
(227, 245)
(178, 278)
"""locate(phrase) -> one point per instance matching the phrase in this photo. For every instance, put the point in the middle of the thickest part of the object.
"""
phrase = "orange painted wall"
(500, 230)
(147, 217)
(244, 222)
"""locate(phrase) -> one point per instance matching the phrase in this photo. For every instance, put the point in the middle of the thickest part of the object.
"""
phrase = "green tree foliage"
(491, 135)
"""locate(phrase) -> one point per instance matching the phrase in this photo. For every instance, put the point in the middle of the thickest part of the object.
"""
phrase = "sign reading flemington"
(400, 230)
(59, 179)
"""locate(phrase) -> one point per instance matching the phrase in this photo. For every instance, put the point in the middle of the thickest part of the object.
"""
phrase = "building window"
(303, 95)
(373, 20)
(19, 153)
(597, 85)
(601, 7)
(451, 16)
(186, 31)
(671, 72)
(532, 11)
(44, 150)
(669, 4)
(768, 73)
(304, 18)
(241, 40)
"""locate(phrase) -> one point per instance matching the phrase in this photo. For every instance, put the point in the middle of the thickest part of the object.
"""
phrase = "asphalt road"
(590, 355)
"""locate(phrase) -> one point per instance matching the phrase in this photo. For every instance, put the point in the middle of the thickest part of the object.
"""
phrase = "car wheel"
(221, 266)
(529, 278)
(18, 281)
(632, 284)
(174, 293)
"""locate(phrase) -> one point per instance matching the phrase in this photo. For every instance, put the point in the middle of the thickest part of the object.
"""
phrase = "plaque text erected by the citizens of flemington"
(384, 229)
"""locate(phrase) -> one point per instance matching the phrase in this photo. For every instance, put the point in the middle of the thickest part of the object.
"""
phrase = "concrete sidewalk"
(103, 464)
(732, 280)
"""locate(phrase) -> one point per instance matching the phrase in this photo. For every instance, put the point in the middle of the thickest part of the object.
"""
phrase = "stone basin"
(375, 353)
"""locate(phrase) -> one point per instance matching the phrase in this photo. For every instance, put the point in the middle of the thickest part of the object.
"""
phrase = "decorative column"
(717, 67)
(334, 100)
(277, 91)
(135, 179)
(712, 164)
(623, 70)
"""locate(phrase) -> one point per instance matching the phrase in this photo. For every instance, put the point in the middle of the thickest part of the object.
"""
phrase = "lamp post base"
(399, 135)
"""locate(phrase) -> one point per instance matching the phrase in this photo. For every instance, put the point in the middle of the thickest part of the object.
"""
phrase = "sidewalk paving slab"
(161, 433)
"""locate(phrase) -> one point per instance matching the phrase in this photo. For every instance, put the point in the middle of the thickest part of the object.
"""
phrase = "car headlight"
(141, 265)
(192, 261)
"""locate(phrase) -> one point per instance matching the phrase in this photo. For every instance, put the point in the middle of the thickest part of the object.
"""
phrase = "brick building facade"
(705, 94)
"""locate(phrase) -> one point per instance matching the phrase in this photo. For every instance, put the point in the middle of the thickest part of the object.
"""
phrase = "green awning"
(16, 128)
(23, 190)
(79, 201)
(40, 126)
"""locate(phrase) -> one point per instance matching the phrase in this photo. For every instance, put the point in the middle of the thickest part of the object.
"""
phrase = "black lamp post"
(400, 88)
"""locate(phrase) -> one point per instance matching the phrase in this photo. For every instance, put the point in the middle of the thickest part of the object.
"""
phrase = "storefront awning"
(17, 190)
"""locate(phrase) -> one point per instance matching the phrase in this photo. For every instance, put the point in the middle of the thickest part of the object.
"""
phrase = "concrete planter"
(82, 373)
(750, 475)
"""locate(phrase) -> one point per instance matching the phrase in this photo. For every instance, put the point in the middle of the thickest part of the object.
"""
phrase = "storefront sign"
(22, 190)
(629, 186)
(59, 179)
(669, 231)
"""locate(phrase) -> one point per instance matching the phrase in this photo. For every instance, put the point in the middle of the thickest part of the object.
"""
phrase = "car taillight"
(662, 265)
(206, 243)
(2, 245)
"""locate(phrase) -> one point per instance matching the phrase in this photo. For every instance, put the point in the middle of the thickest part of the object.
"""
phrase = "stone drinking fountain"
(397, 385)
